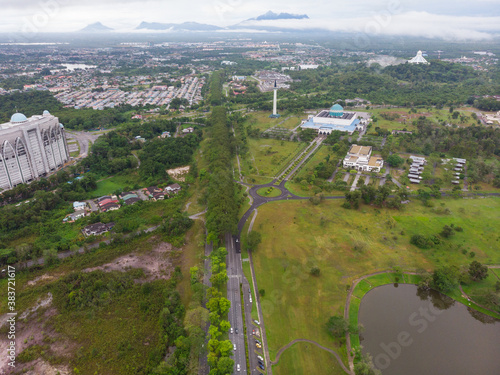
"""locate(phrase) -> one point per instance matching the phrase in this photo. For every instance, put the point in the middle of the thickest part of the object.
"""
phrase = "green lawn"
(269, 192)
(346, 244)
(267, 157)
(305, 358)
(118, 182)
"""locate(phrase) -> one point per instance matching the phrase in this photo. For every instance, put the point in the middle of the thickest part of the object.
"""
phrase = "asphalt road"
(235, 272)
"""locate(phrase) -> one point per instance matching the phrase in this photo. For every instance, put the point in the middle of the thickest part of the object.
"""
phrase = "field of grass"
(267, 157)
(117, 182)
(306, 358)
(312, 163)
(262, 121)
(347, 244)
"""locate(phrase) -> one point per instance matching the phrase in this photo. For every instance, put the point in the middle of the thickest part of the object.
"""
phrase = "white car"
(250, 299)
(259, 357)
(234, 347)
(238, 367)
(231, 329)
(256, 322)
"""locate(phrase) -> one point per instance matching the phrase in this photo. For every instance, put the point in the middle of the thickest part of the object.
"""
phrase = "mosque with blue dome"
(30, 148)
(335, 118)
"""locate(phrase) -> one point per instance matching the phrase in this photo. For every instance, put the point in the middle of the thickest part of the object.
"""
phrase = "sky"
(448, 19)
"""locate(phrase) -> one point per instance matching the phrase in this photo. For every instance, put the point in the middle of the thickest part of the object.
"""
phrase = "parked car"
(257, 342)
(258, 346)
(250, 299)
(256, 322)
(261, 363)
(234, 347)
(262, 367)
(259, 357)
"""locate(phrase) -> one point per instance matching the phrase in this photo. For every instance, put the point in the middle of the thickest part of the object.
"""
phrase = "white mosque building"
(30, 148)
(335, 118)
(419, 59)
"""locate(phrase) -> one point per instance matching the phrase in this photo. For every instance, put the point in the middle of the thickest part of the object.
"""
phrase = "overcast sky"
(450, 19)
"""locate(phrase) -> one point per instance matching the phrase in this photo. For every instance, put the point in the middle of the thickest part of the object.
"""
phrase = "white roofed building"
(30, 148)
(419, 59)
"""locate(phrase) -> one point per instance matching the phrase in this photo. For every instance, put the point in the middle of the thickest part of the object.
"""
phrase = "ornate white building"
(419, 59)
(30, 148)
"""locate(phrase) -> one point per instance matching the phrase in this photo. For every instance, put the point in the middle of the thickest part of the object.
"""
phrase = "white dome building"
(30, 148)
(419, 59)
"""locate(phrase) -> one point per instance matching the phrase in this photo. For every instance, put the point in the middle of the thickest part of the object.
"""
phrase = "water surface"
(408, 332)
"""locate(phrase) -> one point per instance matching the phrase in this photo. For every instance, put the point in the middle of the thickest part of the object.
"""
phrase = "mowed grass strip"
(306, 358)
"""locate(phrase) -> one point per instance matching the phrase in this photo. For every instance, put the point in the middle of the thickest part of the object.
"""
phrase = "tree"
(225, 365)
(478, 271)
(395, 160)
(445, 278)
(447, 231)
(253, 240)
(365, 367)
(315, 271)
(337, 326)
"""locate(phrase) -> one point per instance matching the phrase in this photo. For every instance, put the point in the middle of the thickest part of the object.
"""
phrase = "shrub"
(421, 241)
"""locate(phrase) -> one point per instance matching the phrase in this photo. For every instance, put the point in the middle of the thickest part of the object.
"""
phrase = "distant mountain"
(185, 26)
(95, 28)
(281, 16)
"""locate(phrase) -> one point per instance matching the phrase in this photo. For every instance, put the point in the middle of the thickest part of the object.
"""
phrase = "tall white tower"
(275, 102)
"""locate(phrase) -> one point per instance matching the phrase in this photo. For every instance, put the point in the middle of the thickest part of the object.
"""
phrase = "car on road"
(231, 329)
(238, 367)
(234, 347)
(258, 346)
(250, 299)
(256, 322)
(236, 330)
(259, 357)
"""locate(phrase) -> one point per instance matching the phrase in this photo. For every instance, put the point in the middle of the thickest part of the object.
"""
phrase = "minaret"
(275, 102)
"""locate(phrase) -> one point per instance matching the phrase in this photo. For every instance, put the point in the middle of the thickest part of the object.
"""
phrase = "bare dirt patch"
(40, 367)
(179, 173)
(33, 328)
(40, 278)
(155, 263)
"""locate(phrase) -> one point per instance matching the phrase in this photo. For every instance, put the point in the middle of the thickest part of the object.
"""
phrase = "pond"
(413, 332)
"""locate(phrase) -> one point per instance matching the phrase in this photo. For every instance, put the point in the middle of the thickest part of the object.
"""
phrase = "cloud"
(417, 24)
(458, 19)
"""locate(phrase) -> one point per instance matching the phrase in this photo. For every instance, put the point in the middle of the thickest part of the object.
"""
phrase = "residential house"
(97, 229)
(78, 206)
(173, 189)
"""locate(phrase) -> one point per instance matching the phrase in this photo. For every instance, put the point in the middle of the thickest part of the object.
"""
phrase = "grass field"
(312, 163)
(305, 358)
(347, 244)
(117, 182)
(267, 157)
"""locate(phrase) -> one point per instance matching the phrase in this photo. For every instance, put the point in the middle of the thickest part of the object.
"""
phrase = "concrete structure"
(275, 102)
(359, 158)
(335, 118)
(419, 59)
(30, 148)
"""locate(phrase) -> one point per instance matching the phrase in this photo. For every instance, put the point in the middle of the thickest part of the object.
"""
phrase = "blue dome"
(46, 113)
(336, 110)
(18, 117)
